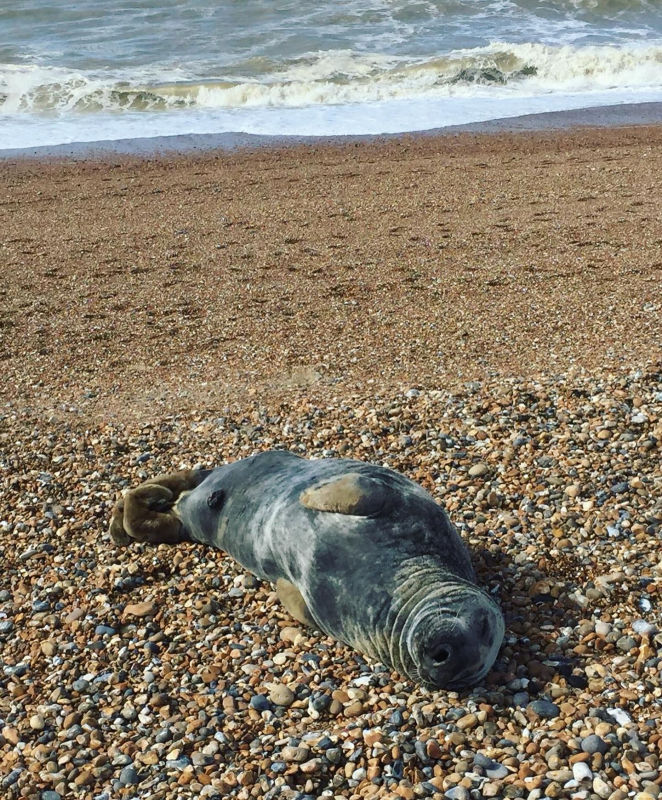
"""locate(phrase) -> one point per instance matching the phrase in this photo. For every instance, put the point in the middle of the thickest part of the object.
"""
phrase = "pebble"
(297, 754)
(281, 695)
(104, 630)
(643, 628)
(260, 702)
(544, 708)
(626, 643)
(581, 772)
(594, 744)
(601, 788)
(129, 776)
(458, 793)
(478, 470)
(144, 609)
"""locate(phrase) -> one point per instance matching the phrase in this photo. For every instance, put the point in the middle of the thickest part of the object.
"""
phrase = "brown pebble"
(467, 722)
(353, 709)
(48, 648)
(144, 609)
(11, 734)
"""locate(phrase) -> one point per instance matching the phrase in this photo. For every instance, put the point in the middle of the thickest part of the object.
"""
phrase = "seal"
(357, 550)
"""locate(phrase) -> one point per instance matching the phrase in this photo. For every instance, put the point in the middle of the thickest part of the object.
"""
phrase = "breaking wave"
(338, 77)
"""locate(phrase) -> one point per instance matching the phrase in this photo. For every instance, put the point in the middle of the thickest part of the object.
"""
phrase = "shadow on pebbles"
(169, 673)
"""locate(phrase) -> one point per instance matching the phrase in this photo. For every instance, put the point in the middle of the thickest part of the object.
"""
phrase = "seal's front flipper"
(295, 605)
(352, 493)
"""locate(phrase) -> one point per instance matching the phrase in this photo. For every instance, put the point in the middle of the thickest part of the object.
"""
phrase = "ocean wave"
(340, 77)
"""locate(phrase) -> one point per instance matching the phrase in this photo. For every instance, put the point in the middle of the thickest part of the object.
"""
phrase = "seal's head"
(452, 637)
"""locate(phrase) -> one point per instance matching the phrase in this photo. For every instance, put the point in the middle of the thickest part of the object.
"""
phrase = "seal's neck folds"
(446, 632)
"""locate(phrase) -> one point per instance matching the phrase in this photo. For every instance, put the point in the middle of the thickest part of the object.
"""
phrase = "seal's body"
(355, 549)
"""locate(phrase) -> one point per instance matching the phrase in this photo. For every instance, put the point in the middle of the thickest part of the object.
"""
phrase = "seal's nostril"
(484, 627)
(441, 654)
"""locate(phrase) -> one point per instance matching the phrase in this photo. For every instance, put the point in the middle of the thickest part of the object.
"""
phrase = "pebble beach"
(479, 312)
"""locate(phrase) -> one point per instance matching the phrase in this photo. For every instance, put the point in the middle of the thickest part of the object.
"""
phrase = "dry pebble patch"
(169, 673)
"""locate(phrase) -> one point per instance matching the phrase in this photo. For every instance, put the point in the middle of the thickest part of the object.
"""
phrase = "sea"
(107, 70)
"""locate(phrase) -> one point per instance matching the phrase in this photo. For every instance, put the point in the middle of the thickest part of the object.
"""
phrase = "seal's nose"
(456, 654)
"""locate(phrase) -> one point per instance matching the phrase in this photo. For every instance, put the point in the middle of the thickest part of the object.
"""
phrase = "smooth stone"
(297, 754)
(129, 776)
(544, 709)
(179, 763)
(312, 766)
(139, 609)
(281, 695)
(397, 719)
(201, 759)
(643, 628)
(478, 470)
(458, 793)
(594, 744)
(496, 773)
(601, 788)
(626, 643)
(581, 771)
(485, 762)
(521, 699)
(260, 702)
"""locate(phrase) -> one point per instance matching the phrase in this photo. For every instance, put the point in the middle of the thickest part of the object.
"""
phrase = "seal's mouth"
(455, 647)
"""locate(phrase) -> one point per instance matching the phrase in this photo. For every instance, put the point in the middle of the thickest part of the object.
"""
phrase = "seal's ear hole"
(441, 654)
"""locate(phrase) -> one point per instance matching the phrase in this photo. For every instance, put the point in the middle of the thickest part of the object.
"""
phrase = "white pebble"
(622, 717)
(643, 628)
(582, 772)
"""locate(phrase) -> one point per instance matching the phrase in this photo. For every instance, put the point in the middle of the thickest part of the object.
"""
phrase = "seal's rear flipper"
(146, 513)
(352, 493)
(116, 527)
(295, 605)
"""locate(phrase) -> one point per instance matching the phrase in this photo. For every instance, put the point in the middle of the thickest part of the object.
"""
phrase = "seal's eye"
(441, 654)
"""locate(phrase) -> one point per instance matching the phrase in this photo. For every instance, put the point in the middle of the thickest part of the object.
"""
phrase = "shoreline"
(622, 115)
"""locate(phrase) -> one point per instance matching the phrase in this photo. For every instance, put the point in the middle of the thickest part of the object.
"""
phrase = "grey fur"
(392, 579)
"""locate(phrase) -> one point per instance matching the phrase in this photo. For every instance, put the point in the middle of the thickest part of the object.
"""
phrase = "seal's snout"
(459, 650)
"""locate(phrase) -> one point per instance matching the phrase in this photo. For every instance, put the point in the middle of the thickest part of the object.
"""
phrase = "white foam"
(342, 77)
(324, 93)
(396, 116)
